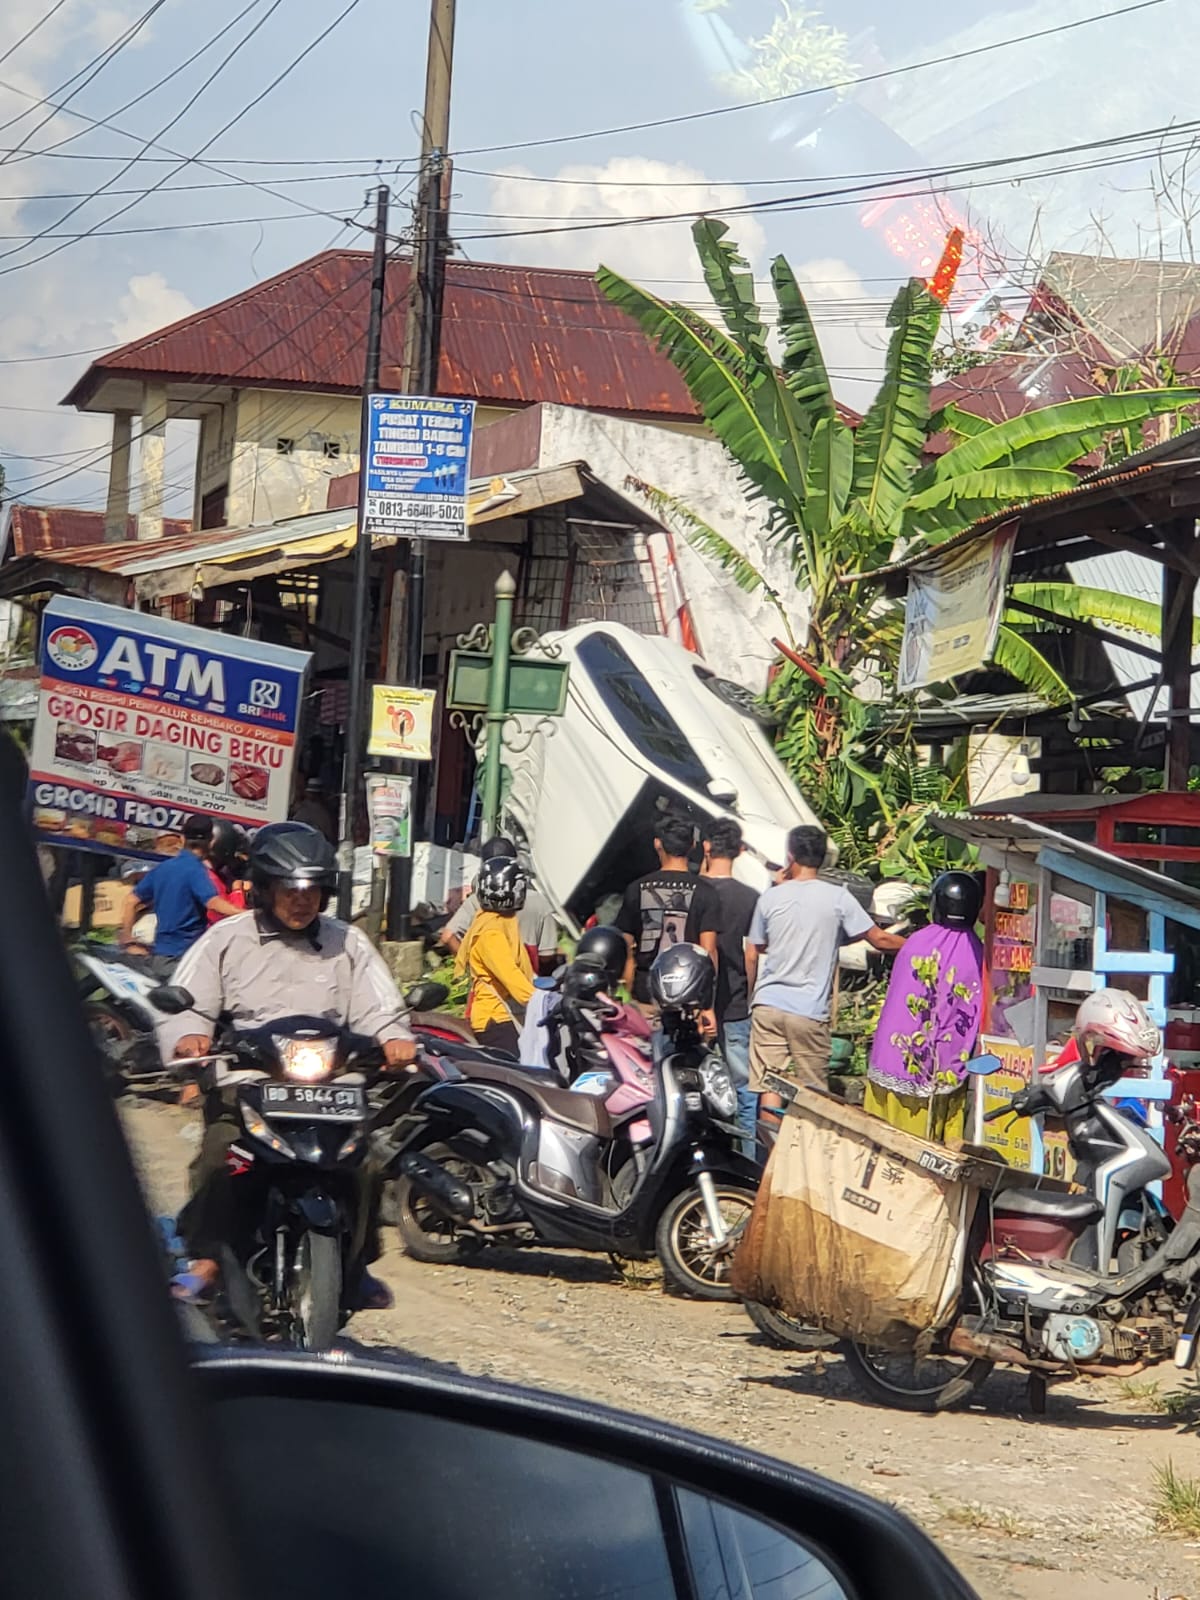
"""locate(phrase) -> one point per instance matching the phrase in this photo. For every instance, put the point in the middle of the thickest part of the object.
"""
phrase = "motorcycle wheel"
(786, 1333)
(108, 1027)
(425, 1234)
(684, 1243)
(317, 1291)
(907, 1382)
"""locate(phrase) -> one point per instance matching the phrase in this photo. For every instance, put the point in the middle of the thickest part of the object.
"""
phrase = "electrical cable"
(32, 29)
(132, 161)
(804, 94)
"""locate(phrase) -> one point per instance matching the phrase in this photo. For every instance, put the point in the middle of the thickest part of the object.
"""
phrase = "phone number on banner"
(416, 510)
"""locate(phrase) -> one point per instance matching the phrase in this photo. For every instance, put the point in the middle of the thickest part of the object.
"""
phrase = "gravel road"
(1031, 1508)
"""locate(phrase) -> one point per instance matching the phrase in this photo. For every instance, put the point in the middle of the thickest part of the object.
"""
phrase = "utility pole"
(422, 355)
(352, 758)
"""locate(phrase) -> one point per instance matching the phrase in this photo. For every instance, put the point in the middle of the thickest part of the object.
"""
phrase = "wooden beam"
(1089, 629)
(1179, 598)
(1120, 888)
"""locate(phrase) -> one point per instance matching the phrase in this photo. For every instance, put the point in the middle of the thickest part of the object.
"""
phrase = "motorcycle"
(635, 1169)
(1060, 1285)
(307, 1095)
(116, 988)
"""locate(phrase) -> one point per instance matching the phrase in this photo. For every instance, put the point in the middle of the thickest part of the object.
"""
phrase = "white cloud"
(148, 303)
(626, 187)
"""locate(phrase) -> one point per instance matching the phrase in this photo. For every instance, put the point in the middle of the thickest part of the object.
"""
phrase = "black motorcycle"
(510, 1157)
(308, 1097)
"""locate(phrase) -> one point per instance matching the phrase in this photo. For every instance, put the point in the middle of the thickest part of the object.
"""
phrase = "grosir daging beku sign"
(142, 722)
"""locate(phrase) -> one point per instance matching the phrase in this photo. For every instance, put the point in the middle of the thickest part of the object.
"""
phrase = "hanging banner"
(389, 812)
(143, 722)
(953, 609)
(417, 467)
(402, 723)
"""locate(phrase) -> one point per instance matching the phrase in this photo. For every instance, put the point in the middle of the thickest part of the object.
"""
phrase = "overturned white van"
(647, 727)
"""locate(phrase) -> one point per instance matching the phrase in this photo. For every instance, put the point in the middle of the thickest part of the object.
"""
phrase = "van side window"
(639, 712)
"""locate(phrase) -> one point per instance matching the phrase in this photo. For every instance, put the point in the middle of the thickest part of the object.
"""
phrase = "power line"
(805, 94)
(189, 188)
(132, 161)
(829, 199)
(86, 75)
(32, 29)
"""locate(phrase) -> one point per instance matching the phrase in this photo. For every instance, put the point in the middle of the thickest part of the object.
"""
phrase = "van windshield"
(640, 714)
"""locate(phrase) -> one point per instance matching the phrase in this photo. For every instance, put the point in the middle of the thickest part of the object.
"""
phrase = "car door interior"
(128, 1476)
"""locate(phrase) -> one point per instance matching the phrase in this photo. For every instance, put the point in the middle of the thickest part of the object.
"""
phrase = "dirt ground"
(1034, 1508)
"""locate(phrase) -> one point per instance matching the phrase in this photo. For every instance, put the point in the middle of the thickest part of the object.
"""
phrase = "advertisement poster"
(402, 723)
(389, 811)
(1008, 1136)
(952, 612)
(418, 466)
(1009, 944)
(141, 722)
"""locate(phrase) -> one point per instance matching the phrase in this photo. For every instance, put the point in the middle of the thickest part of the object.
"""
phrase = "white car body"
(640, 723)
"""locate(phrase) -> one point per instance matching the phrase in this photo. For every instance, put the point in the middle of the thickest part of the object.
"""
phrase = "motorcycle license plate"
(324, 1102)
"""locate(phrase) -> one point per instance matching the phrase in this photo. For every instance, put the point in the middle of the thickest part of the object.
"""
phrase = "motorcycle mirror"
(426, 995)
(172, 999)
(983, 1066)
(565, 1498)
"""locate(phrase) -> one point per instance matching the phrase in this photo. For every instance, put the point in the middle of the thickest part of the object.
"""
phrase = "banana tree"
(842, 499)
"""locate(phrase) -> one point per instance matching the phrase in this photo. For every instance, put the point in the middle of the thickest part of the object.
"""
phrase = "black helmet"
(683, 978)
(955, 899)
(291, 855)
(608, 948)
(228, 843)
(501, 884)
(585, 979)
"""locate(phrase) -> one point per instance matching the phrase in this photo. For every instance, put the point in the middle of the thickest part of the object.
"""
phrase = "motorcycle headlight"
(305, 1060)
(718, 1087)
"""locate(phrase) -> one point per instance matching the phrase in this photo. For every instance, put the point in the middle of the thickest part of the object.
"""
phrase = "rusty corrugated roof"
(34, 528)
(511, 335)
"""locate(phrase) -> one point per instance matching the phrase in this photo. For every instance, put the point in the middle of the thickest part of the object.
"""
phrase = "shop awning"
(1005, 840)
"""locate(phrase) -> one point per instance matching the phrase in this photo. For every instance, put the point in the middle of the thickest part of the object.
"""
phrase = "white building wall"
(735, 629)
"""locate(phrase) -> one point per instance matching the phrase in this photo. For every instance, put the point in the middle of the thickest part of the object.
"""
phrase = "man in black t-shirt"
(667, 907)
(722, 846)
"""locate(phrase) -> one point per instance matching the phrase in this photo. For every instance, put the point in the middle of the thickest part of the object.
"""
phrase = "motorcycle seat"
(583, 1111)
(1060, 1207)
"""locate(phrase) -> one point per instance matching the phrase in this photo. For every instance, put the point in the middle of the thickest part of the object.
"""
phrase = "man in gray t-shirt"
(795, 934)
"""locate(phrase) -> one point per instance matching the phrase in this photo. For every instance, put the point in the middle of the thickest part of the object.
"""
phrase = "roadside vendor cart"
(1063, 917)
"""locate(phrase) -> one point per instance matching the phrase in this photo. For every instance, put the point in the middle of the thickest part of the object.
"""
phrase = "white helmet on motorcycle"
(1114, 1019)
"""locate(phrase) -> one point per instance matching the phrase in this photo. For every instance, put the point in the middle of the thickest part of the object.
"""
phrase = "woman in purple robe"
(930, 1017)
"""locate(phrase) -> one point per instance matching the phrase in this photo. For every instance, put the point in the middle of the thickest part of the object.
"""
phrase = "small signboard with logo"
(401, 722)
(143, 722)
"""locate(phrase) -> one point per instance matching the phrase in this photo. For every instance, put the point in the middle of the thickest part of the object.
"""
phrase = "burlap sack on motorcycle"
(858, 1227)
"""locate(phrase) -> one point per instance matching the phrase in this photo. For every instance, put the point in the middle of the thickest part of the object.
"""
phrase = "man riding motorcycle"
(282, 959)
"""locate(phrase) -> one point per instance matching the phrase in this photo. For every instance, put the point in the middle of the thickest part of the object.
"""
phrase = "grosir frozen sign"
(142, 721)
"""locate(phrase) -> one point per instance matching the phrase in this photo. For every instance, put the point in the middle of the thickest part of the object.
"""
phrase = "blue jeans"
(735, 1047)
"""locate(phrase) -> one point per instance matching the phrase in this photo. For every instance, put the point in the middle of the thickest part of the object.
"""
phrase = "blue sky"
(542, 70)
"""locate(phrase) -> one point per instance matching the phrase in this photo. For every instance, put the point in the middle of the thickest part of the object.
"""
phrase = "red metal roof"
(34, 528)
(511, 336)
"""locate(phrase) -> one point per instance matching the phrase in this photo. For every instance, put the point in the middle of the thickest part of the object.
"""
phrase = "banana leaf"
(1021, 438)
(1015, 655)
(891, 437)
(740, 404)
(803, 364)
(998, 485)
(731, 284)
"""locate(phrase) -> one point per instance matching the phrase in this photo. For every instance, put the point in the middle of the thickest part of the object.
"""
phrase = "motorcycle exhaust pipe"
(433, 1183)
(984, 1347)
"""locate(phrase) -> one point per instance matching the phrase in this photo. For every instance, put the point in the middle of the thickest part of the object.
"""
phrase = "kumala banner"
(952, 613)
(142, 722)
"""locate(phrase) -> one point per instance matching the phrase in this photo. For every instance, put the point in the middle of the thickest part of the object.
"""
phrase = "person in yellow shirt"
(493, 955)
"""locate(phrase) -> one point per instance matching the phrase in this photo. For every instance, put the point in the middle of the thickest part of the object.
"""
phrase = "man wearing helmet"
(539, 932)
(181, 893)
(286, 959)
